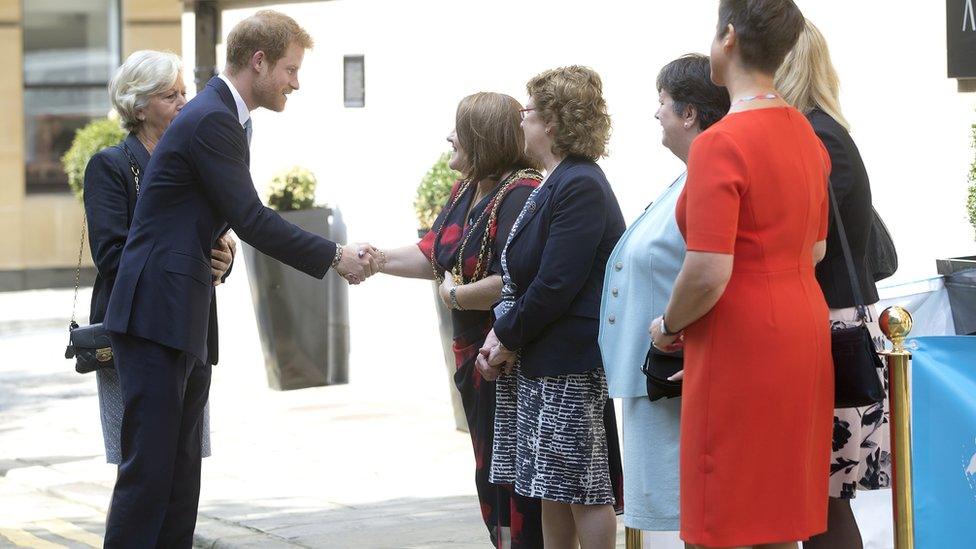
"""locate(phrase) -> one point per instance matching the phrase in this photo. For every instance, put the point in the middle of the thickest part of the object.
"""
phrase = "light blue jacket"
(636, 288)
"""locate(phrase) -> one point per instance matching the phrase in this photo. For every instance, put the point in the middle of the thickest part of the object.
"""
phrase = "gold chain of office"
(491, 210)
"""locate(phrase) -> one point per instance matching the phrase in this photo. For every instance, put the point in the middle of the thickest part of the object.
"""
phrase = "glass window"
(354, 81)
(70, 52)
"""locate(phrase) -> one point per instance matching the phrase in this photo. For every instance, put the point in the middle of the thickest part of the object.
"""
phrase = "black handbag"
(90, 345)
(658, 367)
(882, 258)
(856, 360)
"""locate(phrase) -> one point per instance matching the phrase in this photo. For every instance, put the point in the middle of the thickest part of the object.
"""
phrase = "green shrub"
(293, 189)
(434, 190)
(971, 201)
(95, 136)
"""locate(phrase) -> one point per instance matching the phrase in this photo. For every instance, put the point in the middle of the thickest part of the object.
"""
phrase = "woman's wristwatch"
(664, 329)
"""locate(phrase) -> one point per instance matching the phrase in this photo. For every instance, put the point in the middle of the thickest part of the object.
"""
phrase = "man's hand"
(221, 257)
(358, 262)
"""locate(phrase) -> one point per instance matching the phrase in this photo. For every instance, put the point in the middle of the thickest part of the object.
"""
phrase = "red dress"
(757, 406)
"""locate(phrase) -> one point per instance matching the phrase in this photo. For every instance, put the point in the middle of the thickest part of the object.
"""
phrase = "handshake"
(357, 262)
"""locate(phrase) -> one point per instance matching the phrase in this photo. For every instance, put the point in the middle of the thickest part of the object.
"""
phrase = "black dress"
(500, 506)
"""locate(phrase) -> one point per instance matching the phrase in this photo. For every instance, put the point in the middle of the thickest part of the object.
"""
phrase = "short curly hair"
(572, 97)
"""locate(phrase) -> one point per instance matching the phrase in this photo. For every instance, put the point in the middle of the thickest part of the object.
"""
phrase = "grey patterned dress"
(110, 405)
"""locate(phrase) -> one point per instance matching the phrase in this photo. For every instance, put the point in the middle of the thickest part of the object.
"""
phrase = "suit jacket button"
(618, 266)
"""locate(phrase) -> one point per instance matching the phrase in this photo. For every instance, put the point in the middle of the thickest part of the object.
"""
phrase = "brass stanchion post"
(896, 323)
(635, 538)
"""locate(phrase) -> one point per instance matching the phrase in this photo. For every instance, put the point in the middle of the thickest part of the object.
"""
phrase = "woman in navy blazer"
(555, 436)
(147, 92)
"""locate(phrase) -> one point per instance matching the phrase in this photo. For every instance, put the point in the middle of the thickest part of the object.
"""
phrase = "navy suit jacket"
(557, 260)
(197, 185)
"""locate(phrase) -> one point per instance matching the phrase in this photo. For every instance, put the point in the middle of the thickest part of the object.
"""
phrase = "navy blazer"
(849, 181)
(110, 197)
(197, 184)
(557, 258)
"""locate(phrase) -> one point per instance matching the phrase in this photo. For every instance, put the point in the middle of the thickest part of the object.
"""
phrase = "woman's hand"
(666, 343)
(494, 359)
(221, 257)
(445, 289)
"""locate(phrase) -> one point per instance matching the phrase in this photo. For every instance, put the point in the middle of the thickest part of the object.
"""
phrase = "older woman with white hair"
(147, 92)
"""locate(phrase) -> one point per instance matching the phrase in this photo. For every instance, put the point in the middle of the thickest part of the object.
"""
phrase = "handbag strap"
(136, 174)
(848, 257)
(133, 166)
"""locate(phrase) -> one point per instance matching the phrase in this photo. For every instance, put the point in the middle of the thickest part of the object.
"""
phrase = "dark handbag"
(657, 368)
(856, 360)
(90, 345)
(882, 258)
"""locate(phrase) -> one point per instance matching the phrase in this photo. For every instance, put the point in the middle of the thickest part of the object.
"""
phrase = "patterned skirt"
(861, 458)
(551, 438)
(110, 407)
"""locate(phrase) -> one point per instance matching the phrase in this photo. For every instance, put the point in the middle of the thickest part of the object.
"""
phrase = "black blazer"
(849, 181)
(197, 184)
(557, 260)
(110, 197)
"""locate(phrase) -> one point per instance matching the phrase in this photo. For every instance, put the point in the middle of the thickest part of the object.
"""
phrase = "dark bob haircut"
(687, 81)
(766, 29)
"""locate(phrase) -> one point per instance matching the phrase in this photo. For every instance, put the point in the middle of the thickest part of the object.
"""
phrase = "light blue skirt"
(651, 439)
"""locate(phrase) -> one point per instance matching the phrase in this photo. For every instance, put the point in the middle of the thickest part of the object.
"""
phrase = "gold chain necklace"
(491, 210)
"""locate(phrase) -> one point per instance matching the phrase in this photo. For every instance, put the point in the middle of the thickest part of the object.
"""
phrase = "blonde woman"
(861, 456)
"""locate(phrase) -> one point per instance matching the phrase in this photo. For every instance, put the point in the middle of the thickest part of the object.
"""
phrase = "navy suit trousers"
(157, 491)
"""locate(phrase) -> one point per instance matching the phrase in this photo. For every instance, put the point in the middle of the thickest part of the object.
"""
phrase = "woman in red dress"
(757, 406)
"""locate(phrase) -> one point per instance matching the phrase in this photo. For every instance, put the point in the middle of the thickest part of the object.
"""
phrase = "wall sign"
(961, 38)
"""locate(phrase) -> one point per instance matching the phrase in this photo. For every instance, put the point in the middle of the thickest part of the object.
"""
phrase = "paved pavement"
(376, 463)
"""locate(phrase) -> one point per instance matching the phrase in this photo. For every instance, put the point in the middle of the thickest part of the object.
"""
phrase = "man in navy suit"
(197, 186)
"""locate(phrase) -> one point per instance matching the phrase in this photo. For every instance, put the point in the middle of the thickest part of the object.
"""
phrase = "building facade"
(65, 53)
(380, 89)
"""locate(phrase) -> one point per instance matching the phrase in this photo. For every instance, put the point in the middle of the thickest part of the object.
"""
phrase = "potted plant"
(960, 272)
(93, 137)
(303, 322)
(432, 193)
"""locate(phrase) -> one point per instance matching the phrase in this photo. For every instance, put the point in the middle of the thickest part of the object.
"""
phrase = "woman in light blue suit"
(637, 285)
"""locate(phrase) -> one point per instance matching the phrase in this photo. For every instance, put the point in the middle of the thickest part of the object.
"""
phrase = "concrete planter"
(303, 322)
(960, 282)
